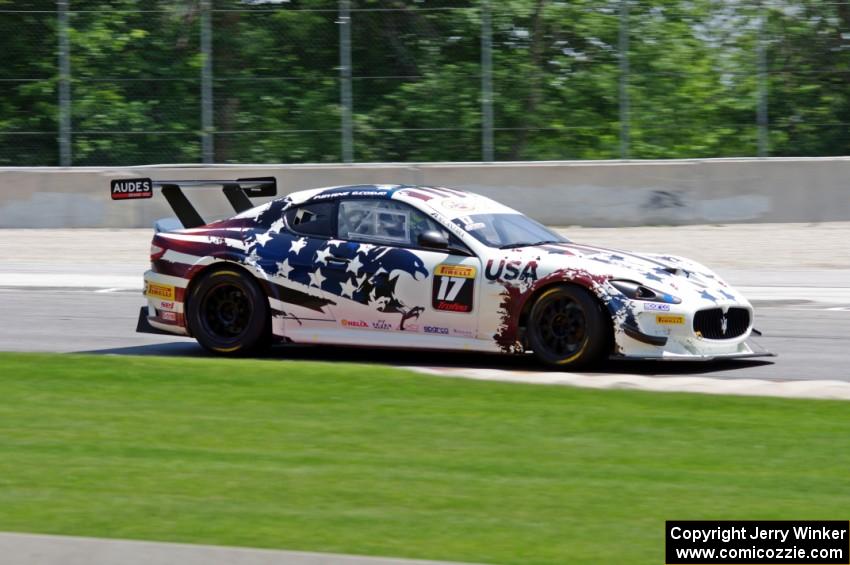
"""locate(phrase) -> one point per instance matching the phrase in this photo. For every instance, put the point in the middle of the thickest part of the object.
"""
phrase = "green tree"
(693, 85)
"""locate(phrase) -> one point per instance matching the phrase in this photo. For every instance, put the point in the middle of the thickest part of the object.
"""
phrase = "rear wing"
(238, 192)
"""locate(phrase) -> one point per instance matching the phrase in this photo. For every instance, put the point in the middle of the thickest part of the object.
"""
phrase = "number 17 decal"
(454, 288)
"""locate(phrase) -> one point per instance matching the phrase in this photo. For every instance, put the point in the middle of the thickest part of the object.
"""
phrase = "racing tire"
(229, 314)
(567, 328)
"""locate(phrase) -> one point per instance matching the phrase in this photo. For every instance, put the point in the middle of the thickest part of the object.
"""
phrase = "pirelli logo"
(455, 271)
(161, 291)
(669, 320)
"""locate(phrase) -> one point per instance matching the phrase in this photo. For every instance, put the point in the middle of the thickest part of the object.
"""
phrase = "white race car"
(422, 267)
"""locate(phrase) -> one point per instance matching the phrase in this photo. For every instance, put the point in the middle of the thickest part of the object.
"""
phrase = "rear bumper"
(164, 312)
(144, 325)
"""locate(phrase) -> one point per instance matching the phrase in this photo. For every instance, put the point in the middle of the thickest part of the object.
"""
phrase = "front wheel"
(567, 327)
(228, 313)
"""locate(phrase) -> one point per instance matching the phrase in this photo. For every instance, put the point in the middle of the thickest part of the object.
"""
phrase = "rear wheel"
(229, 314)
(567, 327)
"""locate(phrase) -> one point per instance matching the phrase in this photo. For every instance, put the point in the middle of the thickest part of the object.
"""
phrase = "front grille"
(709, 323)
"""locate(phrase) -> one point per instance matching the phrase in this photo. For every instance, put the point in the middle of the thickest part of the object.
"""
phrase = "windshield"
(507, 230)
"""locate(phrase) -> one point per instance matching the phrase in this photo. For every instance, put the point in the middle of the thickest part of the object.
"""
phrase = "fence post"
(345, 79)
(207, 145)
(64, 86)
(761, 110)
(623, 52)
(486, 82)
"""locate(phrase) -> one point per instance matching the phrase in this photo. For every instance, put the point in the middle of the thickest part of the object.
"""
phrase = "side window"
(374, 220)
(383, 221)
(312, 219)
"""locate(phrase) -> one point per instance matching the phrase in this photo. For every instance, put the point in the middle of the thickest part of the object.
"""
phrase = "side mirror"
(433, 239)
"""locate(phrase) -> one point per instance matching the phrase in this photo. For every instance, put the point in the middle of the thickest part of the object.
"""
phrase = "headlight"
(637, 291)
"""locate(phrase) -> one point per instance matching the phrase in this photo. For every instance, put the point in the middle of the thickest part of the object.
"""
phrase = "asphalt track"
(60, 299)
(810, 339)
(35, 549)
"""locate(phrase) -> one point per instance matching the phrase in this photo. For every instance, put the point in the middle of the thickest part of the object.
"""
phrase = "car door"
(391, 284)
(288, 254)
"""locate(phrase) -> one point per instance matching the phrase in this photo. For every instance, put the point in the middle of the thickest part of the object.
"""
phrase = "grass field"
(373, 460)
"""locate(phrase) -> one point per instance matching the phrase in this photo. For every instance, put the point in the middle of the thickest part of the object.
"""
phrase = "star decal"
(316, 278)
(354, 265)
(348, 288)
(297, 245)
(322, 255)
(263, 238)
(284, 268)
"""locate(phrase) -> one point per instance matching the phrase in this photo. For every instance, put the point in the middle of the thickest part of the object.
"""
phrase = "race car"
(421, 267)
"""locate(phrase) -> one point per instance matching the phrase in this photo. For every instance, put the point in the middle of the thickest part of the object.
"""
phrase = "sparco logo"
(123, 189)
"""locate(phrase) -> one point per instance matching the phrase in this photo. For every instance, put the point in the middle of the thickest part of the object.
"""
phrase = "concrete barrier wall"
(588, 193)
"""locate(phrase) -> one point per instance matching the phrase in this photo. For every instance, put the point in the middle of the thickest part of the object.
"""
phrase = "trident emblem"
(724, 323)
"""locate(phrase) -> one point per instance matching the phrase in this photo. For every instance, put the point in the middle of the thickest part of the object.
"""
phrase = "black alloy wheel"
(566, 327)
(229, 314)
(226, 311)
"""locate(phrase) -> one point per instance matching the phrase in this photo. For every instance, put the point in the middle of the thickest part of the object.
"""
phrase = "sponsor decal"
(382, 325)
(464, 333)
(161, 291)
(123, 189)
(435, 330)
(454, 288)
(511, 270)
(347, 193)
(416, 194)
(457, 205)
(669, 320)
(455, 271)
(655, 306)
(168, 316)
(166, 305)
(447, 306)
(354, 324)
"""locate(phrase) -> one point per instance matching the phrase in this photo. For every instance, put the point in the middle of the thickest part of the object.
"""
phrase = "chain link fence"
(123, 82)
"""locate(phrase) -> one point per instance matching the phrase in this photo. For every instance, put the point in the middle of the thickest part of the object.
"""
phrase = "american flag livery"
(460, 291)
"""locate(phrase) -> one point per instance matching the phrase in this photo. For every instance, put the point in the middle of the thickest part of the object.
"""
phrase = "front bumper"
(745, 350)
(644, 332)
